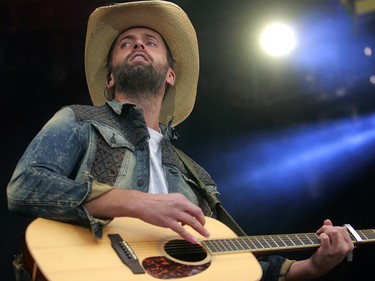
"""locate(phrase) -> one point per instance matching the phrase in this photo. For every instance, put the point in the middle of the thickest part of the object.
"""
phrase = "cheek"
(120, 56)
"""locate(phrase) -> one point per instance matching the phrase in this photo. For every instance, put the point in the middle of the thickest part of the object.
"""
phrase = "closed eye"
(124, 45)
(151, 43)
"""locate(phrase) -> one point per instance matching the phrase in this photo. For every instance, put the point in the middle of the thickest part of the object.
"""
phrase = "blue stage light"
(313, 160)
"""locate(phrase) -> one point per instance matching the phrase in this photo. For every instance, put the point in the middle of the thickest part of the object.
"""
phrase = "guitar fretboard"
(282, 242)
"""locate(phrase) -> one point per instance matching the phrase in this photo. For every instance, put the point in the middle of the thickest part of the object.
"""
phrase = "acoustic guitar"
(134, 250)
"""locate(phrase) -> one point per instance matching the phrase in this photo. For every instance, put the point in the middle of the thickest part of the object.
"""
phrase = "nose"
(138, 45)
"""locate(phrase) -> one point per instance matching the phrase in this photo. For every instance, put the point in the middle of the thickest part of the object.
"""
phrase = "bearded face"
(139, 80)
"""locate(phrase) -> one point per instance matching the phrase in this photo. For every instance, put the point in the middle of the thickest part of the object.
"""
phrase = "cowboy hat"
(172, 23)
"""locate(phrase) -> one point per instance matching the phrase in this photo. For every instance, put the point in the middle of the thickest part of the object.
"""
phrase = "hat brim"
(172, 23)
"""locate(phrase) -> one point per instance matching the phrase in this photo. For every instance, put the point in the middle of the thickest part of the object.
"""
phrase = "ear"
(110, 81)
(171, 77)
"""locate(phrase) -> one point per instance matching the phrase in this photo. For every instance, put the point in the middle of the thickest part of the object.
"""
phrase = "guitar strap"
(216, 206)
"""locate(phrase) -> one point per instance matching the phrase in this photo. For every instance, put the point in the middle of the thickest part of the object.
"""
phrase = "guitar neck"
(276, 243)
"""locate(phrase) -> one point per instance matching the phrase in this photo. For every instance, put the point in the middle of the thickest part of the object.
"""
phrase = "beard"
(139, 81)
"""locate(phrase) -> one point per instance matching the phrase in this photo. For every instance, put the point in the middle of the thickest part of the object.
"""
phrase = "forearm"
(116, 203)
(303, 270)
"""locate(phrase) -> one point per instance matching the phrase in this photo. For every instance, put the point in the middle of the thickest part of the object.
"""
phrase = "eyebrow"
(131, 36)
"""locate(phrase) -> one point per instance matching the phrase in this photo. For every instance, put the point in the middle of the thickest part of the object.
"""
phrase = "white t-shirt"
(157, 178)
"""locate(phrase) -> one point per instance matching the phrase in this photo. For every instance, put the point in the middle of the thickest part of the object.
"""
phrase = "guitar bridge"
(125, 253)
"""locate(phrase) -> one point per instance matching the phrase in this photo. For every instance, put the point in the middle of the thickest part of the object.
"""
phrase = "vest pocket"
(112, 136)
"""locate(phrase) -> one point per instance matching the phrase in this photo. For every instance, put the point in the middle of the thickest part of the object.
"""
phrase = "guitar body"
(65, 252)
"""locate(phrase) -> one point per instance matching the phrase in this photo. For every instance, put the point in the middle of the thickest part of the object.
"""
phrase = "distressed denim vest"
(122, 154)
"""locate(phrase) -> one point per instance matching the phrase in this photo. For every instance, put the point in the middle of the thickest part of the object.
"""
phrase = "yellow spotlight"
(278, 39)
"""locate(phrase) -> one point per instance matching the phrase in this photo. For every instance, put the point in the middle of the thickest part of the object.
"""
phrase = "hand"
(335, 245)
(173, 211)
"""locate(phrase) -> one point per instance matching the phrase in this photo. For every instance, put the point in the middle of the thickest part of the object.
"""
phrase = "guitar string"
(243, 243)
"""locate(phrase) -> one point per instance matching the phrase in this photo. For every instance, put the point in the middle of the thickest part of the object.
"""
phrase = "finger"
(178, 228)
(338, 239)
(196, 219)
(334, 236)
(199, 227)
(327, 223)
(347, 241)
(193, 222)
(200, 218)
(196, 212)
(186, 206)
(324, 240)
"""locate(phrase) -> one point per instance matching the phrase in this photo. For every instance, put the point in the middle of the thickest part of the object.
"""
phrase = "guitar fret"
(257, 240)
(221, 245)
(301, 239)
(243, 245)
(212, 246)
(252, 243)
(308, 238)
(240, 244)
(284, 244)
(367, 234)
(362, 235)
(271, 241)
(298, 241)
(267, 242)
(289, 242)
(228, 246)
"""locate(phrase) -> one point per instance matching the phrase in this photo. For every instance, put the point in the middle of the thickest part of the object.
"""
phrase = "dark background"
(244, 99)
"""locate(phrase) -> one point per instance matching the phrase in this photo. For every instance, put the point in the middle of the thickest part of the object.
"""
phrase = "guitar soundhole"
(185, 251)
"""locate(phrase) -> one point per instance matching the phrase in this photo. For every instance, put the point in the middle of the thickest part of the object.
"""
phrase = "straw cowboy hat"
(172, 23)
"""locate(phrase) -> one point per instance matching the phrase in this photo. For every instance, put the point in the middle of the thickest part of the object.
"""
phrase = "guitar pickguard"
(164, 268)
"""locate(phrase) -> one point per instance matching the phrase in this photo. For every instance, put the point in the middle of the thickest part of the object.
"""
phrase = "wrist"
(303, 270)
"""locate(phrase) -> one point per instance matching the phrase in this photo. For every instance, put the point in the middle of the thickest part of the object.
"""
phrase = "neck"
(151, 107)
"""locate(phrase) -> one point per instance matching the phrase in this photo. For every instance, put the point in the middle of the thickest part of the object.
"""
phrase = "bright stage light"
(278, 39)
(368, 51)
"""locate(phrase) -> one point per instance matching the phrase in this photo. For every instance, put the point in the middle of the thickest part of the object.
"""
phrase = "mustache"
(133, 54)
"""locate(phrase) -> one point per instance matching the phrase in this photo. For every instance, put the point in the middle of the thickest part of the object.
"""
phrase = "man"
(91, 164)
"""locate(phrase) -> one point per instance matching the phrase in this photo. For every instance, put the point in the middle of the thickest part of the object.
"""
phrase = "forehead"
(135, 32)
